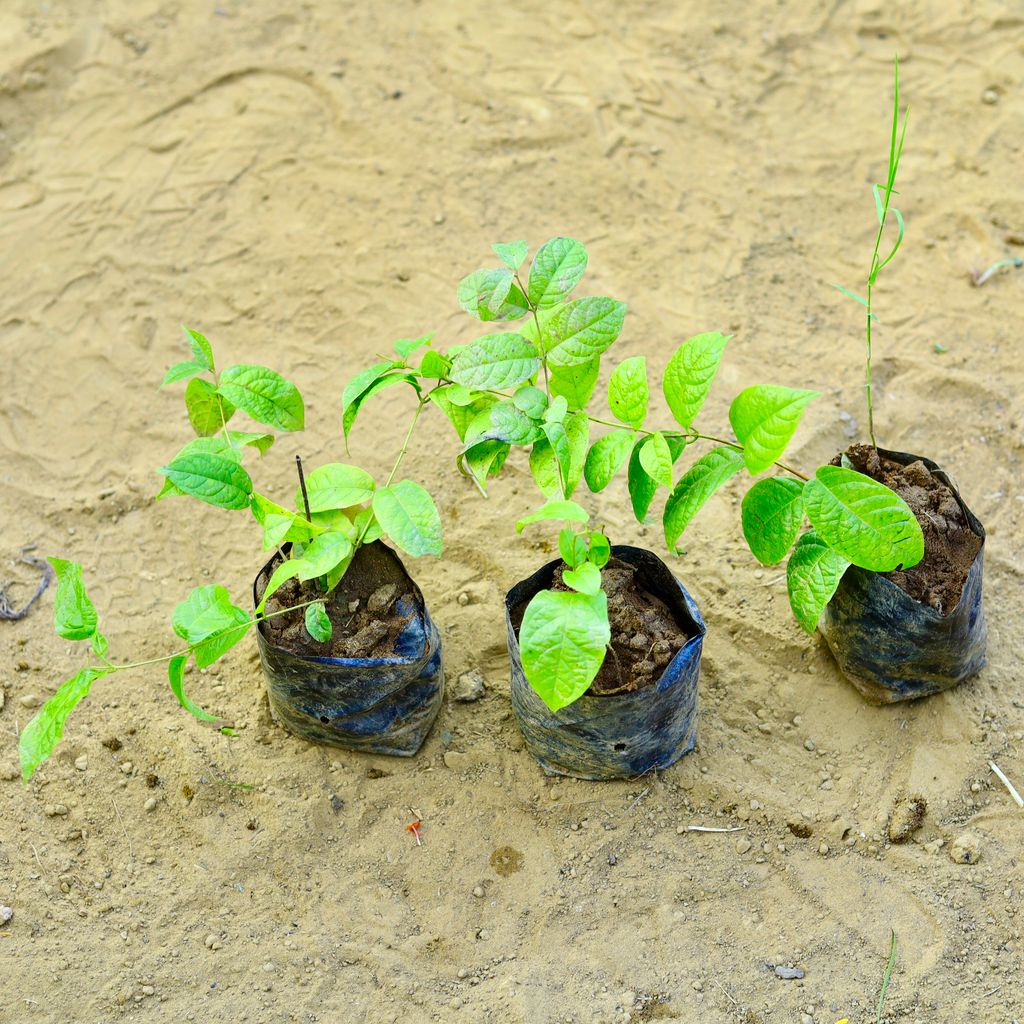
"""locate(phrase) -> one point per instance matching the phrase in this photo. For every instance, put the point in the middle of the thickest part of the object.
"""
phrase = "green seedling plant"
(337, 508)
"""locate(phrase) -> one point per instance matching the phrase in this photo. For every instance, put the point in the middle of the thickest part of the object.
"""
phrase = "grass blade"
(885, 980)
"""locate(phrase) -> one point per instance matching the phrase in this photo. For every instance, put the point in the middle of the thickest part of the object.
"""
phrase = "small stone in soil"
(469, 687)
(82, 763)
(382, 598)
(906, 819)
(966, 849)
(5, 915)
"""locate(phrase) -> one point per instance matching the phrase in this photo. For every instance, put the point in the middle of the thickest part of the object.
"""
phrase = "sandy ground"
(306, 186)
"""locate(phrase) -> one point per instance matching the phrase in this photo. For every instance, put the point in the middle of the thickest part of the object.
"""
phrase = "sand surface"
(307, 182)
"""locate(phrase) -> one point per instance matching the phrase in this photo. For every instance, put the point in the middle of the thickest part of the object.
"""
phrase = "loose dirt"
(306, 183)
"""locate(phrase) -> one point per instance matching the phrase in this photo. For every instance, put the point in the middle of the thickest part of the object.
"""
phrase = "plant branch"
(733, 444)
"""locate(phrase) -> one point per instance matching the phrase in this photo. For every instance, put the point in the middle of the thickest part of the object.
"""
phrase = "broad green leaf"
(557, 410)
(575, 383)
(492, 295)
(642, 488)
(606, 457)
(217, 445)
(216, 479)
(280, 524)
(434, 365)
(562, 642)
(573, 548)
(567, 511)
(583, 329)
(74, 615)
(600, 549)
(863, 520)
(208, 412)
(812, 576)
(773, 510)
(43, 733)
(367, 527)
(176, 677)
(406, 346)
(336, 520)
(656, 459)
(181, 371)
(408, 515)
(531, 400)
(557, 268)
(511, 254)
(336, 485)
(558, 439)
(362, 381)
(690, 374)
(458, 395)
(265, 395)
(544, 469)
(261, 442)
(510, 424)
(577, 431)
(481, 460)
(495, 361)
(764, 418)
(209, 622)
(348, 417)
(628, 394)
(586, 579)
(202, 350)
(322, 554)
(318, 622)
(695, 486)
(460, 417)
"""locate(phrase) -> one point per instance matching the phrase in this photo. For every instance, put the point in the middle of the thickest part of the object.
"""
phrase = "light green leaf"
(510, 424)
(690, 374)
(863, 520)
(583, 329)
(695, 486)
(176, 677)
(495, 361)
(606, 457)
(577, 431)
(511, 254)
(567, 511)
(202, 350)
(216, 479)
(318, 622)
(575, 383)
(367, 527)
(556, 410)
(460, 417)
(531, 400)
(357, 387)
(336, 485)
(322, 554)
(492, 295)
(600, 549)
(406, 346)
(573, 548)
(544, 469)
(559, 442)
(261, 442)
(656, 459)
(348, 416)
(265, 395)
(181, 371)
(812, 576)
(773, 510)
(74, 615)
(408, 515)
(562, 643)
(100, 644)
(209, 622)
(43, 733)
(558, 267)
(434, 365)
(585, 580)
(208, 412)
(628, 394)
(642, 488)
(481, 460)
(281, 525)
(764, 419)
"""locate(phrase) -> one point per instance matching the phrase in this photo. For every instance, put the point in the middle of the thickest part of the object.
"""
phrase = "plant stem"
(536, 323)
(739, 447)
(302, 485)
(405, 444)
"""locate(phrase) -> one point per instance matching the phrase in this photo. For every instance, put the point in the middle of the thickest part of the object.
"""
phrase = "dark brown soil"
(645, 635)
(950, 545)
(365, 622)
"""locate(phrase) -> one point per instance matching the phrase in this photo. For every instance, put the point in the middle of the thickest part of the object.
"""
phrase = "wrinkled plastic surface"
(613, 735)
(892, 647)
(377, 705)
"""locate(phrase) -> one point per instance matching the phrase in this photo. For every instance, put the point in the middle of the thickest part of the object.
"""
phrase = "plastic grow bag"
(893, 647)
(610, 736)
(377, 705)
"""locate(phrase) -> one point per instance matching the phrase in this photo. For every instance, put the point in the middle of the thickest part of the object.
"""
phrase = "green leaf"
(557, 268)
(656, 459)
(642, 488)
(43, 733)
(322, 554)
(74, 615)
(606, 457)
(492, 295)
(764, 418)
(434, 365)
(863, 520)
(628, 394)
(209, 622)
(559, 442)
(773, 510)
(532, 401)
(318, 623)
(481, 460)
(208, 412)
(406, 346)
(281, 525)
(460, 417)
(577, 431)
(181, 371)
(265, 395)
(357, 387)
(585, 580)
(562, 643)
(495, 361)
(408, 515)
(202, 350)
(367, 526)
(690, 374)
(557, 410)
(510, 424)
(348, 416)
(812, 576)
(695, 486)
(100, 644)
(575, 383)
(600, 549)
(336, 485)
(544, 469)
(573, 548)
(583, 329)
(176, 677)
(511, 254)
(261, 442)
(567, 511)
(216, 479)
(853, 295)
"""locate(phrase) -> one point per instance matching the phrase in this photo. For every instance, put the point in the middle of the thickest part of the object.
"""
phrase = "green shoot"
(885, 980)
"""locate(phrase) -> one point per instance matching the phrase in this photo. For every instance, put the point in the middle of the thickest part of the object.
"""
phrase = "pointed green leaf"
(573, 548)
(176, 677)
(181, 371)
(863, 520)
(642, 488)
(690, 374)
(357, 387)
(575, 383)
(585, 580)
(481, 460)
(544, 469)
(495, 361)
(209, 622)
(74, 615)
(600, 549)
(559, 442)
(531, 400)
(264, 395)
(510, 424)
(318, 622)
(387, 380)
(208, 412)
(764, 419)
(606, 458)
(216, 479)
(773, 510)
(261, 442)
(336, 485)
(560, 509)
(202, 350)
(406, 346)
(433, 365)
(583, 329)
(656, 459)
(695, 486)
(511, 254)
(812, 576)
(408, 515)
(99, 643)
(628, 393)
(483, 293)
(557, 268)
